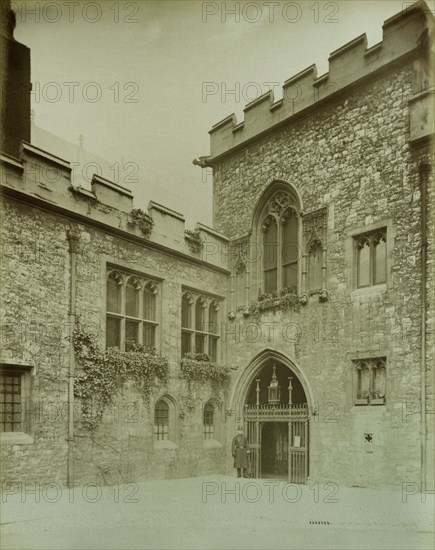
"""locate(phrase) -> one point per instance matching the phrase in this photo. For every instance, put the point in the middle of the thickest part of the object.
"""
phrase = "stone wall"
(35, 332)
(352, 156)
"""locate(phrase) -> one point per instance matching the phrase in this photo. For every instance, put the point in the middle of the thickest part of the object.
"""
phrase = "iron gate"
(296, 416)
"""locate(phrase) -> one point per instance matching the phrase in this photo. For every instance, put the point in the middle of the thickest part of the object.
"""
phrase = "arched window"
(199, 325)
(161, 420)
(370, 381)
(131, 311)
(371, 258)
(279, 218)
(208, 421)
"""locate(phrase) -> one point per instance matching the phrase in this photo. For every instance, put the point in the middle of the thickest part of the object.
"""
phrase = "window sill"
(16, 438)
(166, 444)
(212, 444)
(374, 289)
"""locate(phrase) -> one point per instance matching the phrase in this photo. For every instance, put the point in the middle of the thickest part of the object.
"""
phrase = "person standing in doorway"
(239, 450)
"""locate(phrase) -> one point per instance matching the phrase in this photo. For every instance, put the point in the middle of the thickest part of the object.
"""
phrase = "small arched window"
(208, 421)
(371, 258)
(161, 420)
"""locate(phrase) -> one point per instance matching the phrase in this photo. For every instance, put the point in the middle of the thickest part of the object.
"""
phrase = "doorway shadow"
(274, 450)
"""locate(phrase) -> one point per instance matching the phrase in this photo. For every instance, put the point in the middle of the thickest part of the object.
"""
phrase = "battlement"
(347, 65)
(44, 180)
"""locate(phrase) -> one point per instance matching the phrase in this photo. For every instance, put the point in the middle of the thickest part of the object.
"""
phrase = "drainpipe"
(73, 241)
(423, 172)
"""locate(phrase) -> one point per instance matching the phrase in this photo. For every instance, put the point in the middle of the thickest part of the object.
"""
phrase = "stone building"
(314, 288)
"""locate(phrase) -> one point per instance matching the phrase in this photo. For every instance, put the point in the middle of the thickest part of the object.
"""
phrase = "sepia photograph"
(217, 267)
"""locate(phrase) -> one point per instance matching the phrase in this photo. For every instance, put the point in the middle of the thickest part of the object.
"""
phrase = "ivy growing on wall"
(142, 220)
(104, 372)
(198, 367)
(194, 240)
(287, 299)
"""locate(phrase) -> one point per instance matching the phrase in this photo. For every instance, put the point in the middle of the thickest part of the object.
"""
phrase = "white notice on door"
(297, 441)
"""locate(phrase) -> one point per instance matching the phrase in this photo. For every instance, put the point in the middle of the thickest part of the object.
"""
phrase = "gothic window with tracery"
(370, 381)
(280, 246)
(199, 325)
(371, 258)
(131, 310)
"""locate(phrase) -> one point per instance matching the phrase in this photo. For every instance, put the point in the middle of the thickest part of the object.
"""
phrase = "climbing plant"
(104, 372)
(142, 220)
(194, 240)
(198, 367)
(287, 299)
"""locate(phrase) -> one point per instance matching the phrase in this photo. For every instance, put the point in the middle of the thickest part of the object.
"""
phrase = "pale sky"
(150, 63)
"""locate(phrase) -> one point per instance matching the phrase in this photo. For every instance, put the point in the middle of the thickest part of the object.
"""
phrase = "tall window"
(208, 421)
(131, 306)
(370, 381)
(161, 420)
(371, 258)
(280, 229)
(199, 325)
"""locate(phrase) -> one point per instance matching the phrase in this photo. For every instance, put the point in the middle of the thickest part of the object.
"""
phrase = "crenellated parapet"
(347, 65)
(45, 181)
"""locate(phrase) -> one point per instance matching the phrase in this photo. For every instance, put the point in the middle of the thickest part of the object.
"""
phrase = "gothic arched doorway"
(276, 421)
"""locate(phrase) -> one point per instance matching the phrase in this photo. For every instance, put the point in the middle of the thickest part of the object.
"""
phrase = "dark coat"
(239, 450)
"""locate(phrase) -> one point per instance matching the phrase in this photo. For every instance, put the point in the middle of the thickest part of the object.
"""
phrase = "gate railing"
(296, 415)
(273, 413)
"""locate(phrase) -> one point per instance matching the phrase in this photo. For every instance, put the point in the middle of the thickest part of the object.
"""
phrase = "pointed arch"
(251, 371)
(276, 239)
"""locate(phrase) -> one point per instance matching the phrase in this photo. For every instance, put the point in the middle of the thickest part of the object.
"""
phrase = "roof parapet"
(347, 64)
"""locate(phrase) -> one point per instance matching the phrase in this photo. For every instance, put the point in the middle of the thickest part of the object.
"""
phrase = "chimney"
(15, 85)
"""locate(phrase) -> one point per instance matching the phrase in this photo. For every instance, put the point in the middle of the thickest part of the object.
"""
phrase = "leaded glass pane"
(113, 332)
(113, 295)
(132, 300)
(149, 304)
(363, 263)
(149, 335)
(186, 312)
(380, 256)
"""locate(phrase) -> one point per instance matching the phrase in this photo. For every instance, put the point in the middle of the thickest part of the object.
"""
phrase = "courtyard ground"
(215, 512)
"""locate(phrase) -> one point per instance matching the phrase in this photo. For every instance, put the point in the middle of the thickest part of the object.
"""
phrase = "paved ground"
(215, 512)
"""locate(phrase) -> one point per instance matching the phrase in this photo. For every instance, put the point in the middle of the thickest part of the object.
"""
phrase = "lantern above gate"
(274, 390)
